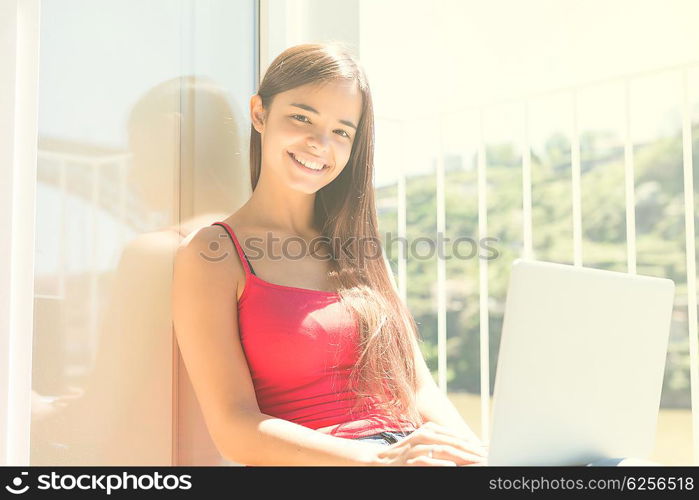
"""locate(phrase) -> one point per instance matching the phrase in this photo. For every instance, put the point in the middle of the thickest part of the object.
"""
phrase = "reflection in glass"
(108, 385)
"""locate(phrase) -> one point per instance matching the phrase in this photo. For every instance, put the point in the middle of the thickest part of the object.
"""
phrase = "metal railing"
(90, 192)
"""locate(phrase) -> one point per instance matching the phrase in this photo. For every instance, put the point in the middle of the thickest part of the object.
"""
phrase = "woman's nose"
(318, 142)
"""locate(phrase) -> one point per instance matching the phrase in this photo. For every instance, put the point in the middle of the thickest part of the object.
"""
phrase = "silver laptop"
(580, 366)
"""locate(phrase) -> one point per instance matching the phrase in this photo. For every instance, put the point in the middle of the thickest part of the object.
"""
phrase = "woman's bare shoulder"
(209, 251)
(212, 238)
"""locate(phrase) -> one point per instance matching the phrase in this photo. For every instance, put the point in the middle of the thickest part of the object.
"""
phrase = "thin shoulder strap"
(238, 247)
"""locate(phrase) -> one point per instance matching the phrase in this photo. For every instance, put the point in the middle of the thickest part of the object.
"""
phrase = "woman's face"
(312, 124)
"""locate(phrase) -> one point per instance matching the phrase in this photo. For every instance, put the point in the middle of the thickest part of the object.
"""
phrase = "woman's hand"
(433, 445)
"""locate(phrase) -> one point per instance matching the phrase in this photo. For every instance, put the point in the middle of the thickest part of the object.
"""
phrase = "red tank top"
(301, 345)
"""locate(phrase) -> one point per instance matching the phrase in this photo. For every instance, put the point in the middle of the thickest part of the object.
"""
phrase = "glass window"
(142, 127)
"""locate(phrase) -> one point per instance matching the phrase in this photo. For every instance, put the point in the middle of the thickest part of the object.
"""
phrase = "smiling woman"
(323, 352)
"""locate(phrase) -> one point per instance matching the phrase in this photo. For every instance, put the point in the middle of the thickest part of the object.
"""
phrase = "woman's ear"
(257, 113)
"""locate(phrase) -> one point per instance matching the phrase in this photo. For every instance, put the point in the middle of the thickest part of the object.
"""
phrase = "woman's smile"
(308, 166)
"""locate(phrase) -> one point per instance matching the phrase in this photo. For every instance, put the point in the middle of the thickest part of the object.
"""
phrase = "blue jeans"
(386, 437)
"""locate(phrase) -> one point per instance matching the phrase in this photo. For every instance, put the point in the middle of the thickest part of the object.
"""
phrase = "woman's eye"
(304, 119)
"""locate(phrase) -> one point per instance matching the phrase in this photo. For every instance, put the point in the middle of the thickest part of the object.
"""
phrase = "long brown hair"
(345, 212)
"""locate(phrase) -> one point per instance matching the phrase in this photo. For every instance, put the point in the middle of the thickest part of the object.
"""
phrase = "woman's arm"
(259, 439)
(433, 404)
